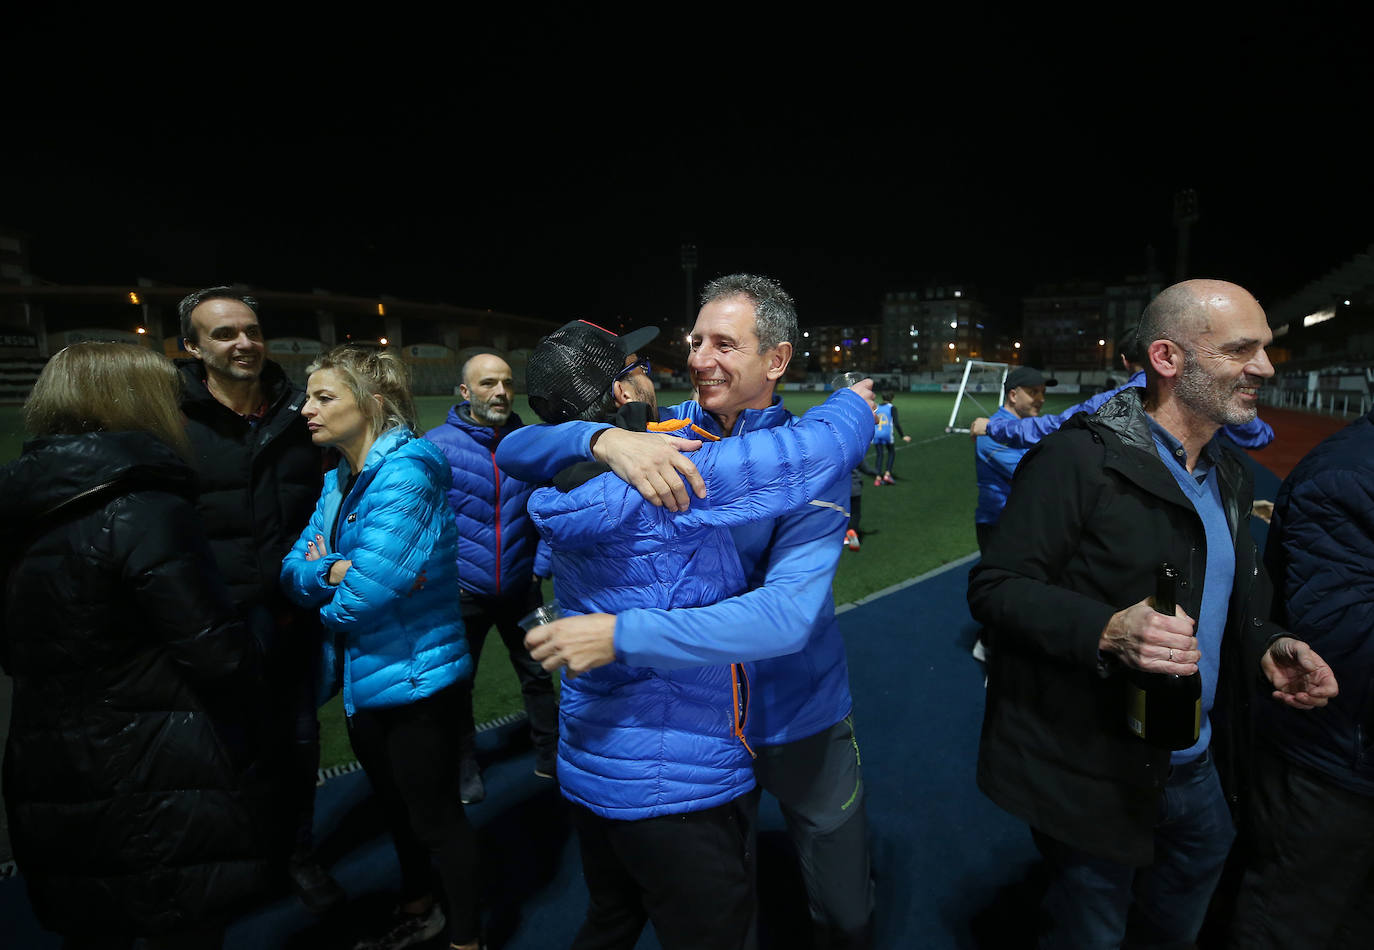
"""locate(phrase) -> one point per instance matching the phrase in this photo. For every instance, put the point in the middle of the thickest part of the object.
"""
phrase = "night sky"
(551, 165)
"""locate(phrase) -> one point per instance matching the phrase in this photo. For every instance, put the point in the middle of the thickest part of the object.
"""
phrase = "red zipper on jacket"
(496, 473)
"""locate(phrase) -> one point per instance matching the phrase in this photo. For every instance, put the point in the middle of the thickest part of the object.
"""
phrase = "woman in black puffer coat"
(133, 680)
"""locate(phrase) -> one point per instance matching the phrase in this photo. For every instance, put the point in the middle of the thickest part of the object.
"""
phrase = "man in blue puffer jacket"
(500, 557)
(801, 724)
(657, 759)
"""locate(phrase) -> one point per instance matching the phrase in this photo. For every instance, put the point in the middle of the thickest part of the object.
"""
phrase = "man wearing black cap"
(996, 463)
(801, 725)
(655, 760)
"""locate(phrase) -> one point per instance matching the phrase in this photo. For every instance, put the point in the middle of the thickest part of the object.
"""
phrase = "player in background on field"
(883, 447)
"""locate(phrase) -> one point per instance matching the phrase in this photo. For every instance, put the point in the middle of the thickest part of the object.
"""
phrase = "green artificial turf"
(921, 522)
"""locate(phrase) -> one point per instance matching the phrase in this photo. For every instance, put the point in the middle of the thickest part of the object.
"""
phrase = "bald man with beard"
(1135, 836)
(500, 557)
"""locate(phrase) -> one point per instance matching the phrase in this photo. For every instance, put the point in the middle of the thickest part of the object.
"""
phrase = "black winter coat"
(258, 486)
(124, 766)
(1093, 512)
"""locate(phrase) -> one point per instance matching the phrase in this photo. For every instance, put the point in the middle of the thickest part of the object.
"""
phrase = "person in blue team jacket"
(800, 722)
(379, 561)
(656, 760)
(994, 463)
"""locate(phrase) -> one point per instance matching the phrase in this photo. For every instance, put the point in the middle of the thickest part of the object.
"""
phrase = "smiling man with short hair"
(800, 724)
(259, 477)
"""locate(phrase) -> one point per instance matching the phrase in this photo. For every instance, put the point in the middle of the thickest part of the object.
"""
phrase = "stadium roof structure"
(1353, 280)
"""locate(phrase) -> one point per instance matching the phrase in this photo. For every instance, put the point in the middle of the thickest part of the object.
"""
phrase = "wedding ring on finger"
(1171, 656)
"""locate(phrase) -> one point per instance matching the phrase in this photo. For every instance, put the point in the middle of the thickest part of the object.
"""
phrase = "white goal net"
(980, 393)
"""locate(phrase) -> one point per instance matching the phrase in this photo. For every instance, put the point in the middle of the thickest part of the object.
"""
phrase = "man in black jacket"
(1135, 837)
(259, 477)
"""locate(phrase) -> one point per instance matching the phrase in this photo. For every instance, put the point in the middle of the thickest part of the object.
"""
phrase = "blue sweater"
(785, 620)
(498, 549)
(396, 612)
(637, 741)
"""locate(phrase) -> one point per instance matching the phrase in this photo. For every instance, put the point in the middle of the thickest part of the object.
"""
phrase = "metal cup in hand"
(544, 613)
(845, 380)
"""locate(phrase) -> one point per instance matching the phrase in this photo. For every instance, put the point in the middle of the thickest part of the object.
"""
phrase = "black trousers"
(818, 782)
(480, 614)
(691, 874)
(1309, 878)
(410, 756)
(881, 451)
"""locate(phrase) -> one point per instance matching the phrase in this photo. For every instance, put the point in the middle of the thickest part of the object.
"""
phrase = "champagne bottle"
(1164, 709)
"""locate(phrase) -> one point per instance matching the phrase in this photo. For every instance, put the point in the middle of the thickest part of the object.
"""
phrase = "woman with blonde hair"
(126, 753)
(379, 560)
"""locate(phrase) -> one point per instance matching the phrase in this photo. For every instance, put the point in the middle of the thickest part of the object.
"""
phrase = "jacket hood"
(58, 469)
(461, 416)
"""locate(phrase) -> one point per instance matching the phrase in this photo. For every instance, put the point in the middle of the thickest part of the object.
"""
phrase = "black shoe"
(546, 764)
(470, 787)
(407, 930)
(312, 884)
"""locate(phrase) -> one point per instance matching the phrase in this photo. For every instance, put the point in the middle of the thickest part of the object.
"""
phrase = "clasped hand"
(654, 463)
(314, 550)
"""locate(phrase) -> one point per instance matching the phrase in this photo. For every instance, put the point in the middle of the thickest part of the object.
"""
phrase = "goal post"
(980, 393)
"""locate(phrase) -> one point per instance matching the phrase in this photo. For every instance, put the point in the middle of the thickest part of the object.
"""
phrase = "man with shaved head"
(500, 558)
(1135, 836)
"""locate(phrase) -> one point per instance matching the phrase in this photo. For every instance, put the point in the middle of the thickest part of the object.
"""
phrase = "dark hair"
(191, 301)
(775, 314)
(1129, 346)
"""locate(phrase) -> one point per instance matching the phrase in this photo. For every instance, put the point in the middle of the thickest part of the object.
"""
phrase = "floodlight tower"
(1185, 216)
(689, 264)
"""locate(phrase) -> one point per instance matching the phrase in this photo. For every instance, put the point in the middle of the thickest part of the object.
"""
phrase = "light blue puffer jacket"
(638, 742)
(498, 549)
(396, 612)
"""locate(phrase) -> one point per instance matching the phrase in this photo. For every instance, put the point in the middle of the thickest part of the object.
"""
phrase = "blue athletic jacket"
(498, 549)
(1023, 433)
(994, 464)
(396, 612)
(636, 741)
(785, 620)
